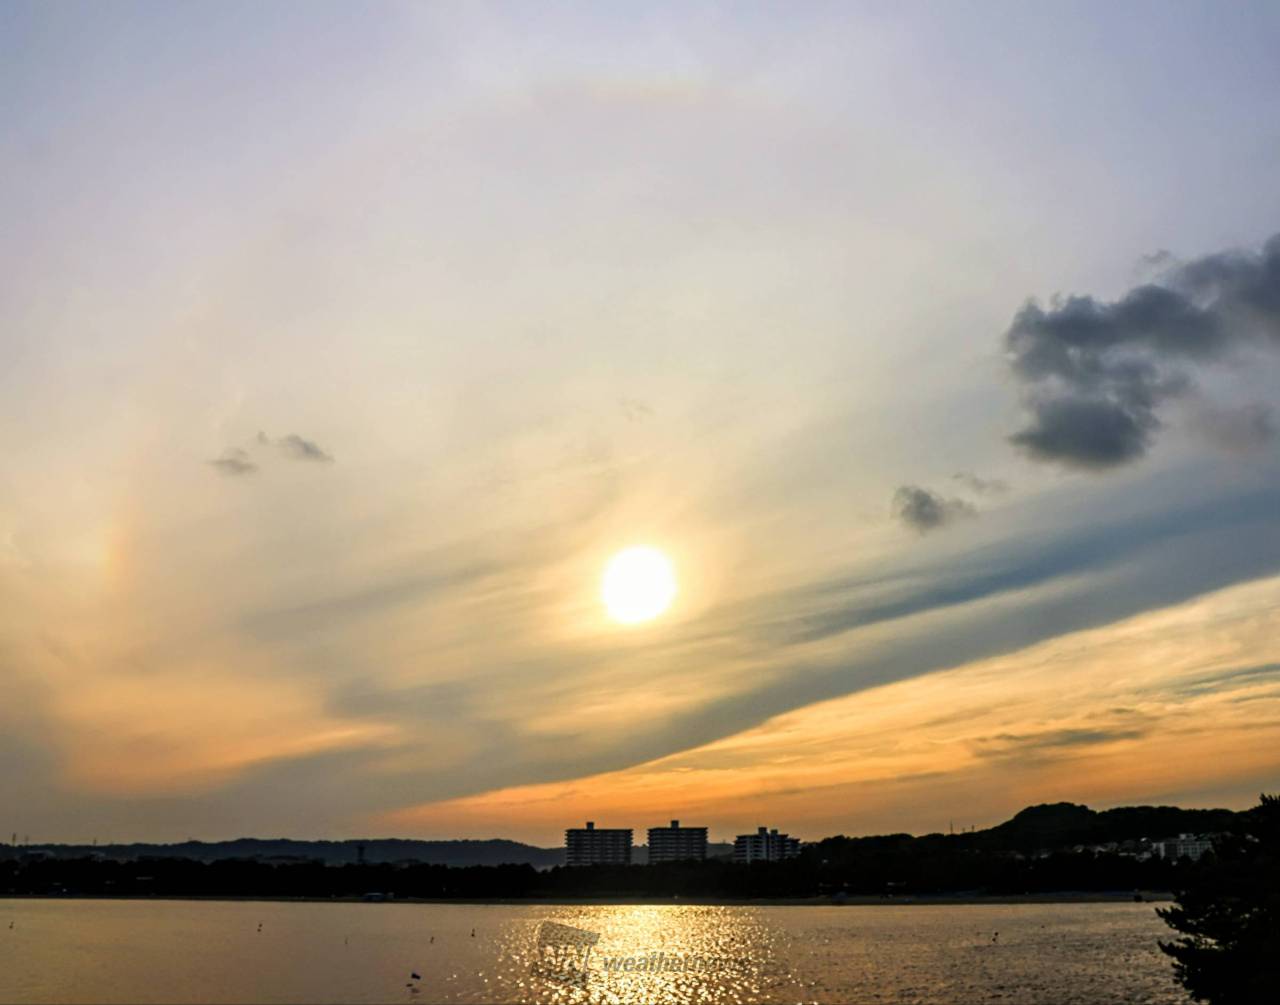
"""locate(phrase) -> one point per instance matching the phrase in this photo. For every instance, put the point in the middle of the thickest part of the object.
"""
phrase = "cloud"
(1094, 547)
(997, 728)
(297, 448)
(924, 511)
(1087, 432)
(1236, 676)
(1095, 374)
(1021, 744)
(234, 462)
(1237, 429)
(981, 486)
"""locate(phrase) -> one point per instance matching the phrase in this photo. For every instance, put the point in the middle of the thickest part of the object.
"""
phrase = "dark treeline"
(885, 866)
(1044, 849)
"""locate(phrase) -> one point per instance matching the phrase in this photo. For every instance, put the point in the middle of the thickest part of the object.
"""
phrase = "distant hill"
(1057, 825)
(1048, 827)
(377, 850)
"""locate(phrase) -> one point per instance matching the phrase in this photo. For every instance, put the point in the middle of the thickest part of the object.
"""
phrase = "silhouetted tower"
(676, 843)
(592, 845)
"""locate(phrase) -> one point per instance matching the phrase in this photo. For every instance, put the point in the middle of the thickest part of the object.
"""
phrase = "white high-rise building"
(764, 846)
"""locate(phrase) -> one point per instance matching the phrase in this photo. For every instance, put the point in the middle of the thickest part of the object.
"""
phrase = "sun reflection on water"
(658, 954)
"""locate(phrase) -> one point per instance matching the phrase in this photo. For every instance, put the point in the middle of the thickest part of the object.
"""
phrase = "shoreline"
(863, 900)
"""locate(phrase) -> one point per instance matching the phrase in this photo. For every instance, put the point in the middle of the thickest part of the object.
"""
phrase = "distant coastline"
(1053, 853)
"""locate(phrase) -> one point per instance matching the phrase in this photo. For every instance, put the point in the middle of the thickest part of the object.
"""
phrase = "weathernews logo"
(565, 954)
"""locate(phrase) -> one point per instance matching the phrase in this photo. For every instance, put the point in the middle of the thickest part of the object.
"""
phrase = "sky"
(936, 346)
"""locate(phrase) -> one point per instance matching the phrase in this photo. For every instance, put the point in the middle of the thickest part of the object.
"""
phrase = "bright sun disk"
(638, 585)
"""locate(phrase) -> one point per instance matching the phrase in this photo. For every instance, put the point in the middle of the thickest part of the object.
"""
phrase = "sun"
(638, 585)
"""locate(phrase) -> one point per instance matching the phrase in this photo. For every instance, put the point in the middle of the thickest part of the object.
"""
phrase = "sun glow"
(638, 585)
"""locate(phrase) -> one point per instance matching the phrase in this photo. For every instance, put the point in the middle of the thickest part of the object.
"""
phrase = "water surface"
(206, 951)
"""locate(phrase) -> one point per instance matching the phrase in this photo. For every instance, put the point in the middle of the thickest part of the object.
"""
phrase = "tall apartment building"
(591, 846)
(764, 846)
(676, 843)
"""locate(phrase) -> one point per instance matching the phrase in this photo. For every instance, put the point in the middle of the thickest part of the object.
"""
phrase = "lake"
(211, 951)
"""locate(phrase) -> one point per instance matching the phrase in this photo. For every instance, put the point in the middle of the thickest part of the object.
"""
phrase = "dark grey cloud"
(981, 486)
(923, 511)
(1087, 432)
(234, 462)
(297, 448)
(1095, 374)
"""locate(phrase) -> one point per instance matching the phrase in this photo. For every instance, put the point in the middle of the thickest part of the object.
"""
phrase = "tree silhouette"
(1229, 915)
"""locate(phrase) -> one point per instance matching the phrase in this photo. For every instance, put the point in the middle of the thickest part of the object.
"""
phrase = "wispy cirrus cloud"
(985, 738)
